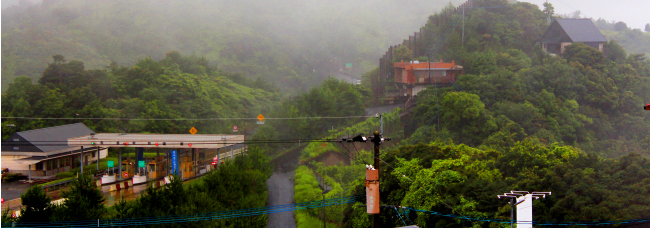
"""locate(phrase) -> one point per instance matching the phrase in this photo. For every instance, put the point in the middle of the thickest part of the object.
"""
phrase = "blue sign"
(174, 162)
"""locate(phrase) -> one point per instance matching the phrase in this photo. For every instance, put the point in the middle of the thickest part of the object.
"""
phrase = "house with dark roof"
(45, 152)
(564, 32)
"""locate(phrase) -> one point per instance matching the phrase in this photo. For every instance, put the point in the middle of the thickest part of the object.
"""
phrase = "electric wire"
(194, 217)
(540, 223)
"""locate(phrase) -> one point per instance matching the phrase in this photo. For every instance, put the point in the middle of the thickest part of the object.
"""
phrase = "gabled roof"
(57, 136)
(581, 30)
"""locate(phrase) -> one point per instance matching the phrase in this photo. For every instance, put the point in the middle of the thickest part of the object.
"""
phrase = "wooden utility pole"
(376, 140)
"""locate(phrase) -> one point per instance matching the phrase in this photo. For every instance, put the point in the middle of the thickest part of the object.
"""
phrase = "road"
(280, 188)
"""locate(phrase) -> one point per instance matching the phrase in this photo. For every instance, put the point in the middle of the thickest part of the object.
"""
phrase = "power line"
(194, 217)
(540, 223)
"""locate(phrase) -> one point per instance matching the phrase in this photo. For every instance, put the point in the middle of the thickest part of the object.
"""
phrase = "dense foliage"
(457, 179)
(570, 124)
(511, 89)
(176, 87)
(300, 115)
(234, 185)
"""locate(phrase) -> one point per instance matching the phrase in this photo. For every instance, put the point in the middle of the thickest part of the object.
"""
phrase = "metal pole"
(377, 141)
(512, 213)
(381, 125)
(119, 163)
(324, 224)
(98, 153)
(29, 175)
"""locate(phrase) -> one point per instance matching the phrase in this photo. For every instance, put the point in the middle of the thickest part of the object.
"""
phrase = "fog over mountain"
(294, 44)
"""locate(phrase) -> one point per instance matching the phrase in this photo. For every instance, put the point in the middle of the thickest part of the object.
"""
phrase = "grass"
(92, 168)
(56, 181)
(304, 219)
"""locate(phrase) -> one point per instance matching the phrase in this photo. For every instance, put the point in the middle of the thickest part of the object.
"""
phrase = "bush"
(13, 177)
(36, 206)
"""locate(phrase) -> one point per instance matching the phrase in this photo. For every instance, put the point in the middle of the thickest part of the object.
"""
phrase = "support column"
(98, 157)
(29, 173)
(81, 156)
(119, 164)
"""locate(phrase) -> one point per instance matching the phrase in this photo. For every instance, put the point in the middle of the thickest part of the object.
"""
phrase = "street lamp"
(513, 195)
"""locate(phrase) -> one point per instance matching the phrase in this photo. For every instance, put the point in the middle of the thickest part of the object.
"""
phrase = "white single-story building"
(42, 153)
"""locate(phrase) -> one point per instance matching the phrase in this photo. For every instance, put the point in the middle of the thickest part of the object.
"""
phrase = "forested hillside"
(634, 41)
(511, 89)
(459, 180)
(132, 98)
(517, 119)
(292, 44)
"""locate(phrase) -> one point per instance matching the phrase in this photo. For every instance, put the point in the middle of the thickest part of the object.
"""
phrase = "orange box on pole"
(372, 191)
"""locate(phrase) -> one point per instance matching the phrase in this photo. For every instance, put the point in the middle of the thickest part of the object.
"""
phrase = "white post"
(525, 211)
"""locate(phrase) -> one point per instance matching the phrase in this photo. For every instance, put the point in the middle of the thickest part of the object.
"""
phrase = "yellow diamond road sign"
(193, 130)
(260, 117)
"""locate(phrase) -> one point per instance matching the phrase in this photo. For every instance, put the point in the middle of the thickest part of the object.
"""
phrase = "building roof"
(425, 66)
(150, 140)
(54, 138)
(581, 30)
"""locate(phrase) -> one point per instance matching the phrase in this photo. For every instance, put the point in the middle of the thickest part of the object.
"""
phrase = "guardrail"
(56, 185)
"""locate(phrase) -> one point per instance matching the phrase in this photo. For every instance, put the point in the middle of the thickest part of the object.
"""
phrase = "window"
(16, 139)
(16, 148)
(94, 154)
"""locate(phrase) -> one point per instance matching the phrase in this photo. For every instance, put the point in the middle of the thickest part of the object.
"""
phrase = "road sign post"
(193, 130)
(174, 162)
(261, 119)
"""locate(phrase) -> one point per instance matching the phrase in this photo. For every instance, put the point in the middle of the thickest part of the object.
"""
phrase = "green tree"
(36, 205)
(402, 53)
(585, 55)
(465, 114)
(615, 52)
(548, 8)
(620, 26)
(84, 201)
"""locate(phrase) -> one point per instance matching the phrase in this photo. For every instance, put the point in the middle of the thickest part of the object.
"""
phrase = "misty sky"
(633, 12)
